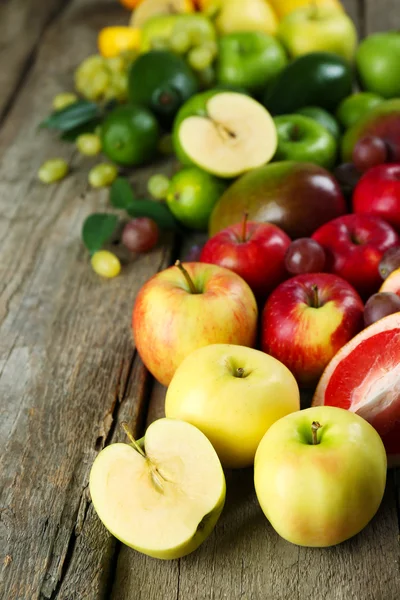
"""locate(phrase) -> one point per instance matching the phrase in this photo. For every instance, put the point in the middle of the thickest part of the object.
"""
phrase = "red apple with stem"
(355, 245)
(307, 319)
(255, 251)
(378, 193)
(189, 306)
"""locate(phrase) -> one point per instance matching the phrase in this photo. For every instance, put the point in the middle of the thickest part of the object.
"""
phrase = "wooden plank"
(381, 15)
(66, 354)
(355, 10)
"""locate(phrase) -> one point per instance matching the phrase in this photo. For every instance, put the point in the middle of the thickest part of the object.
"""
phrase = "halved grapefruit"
(364, 377)
(392, 283)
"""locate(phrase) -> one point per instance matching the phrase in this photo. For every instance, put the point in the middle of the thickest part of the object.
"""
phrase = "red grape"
(390, 262)
(380, 305)
(369, 152)
(193, 254)
(305, 256)
(347, 177)
(140, 235)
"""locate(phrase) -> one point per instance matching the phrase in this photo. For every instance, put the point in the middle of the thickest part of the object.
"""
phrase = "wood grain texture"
(381, 15)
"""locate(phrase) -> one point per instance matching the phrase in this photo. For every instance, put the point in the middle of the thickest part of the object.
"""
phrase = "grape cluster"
(103, 79)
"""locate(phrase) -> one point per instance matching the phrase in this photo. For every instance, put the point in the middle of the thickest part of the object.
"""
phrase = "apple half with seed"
(225, 133)
(163, 496)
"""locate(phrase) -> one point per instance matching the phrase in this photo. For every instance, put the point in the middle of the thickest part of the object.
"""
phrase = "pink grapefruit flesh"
(364, 377)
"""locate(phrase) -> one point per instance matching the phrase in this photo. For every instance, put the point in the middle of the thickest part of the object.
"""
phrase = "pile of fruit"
(296, 178)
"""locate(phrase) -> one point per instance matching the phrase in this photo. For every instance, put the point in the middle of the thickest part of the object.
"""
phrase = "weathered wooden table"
(69, 373)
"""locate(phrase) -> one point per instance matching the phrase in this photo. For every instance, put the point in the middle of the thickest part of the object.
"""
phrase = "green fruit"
(161, 81)
(378, 64)
(199, 28)
(303, 139)
(351, 109)
(383, 121)
(249, 59)
(157, 29)
(53, 170)
(298, 197)
(158, 186)
(102, 175)
(192, 195)
(129, 135)
(316, 79)
(323, 118)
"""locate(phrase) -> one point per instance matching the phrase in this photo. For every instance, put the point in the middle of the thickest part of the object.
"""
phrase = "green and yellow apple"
(318, 28)
(192, 195)
(187, 307)
(320, 475)
(378, 59)
(233, 395)
(236, 15)
(352, 108)
(249, 59)
(164, 496)
(302, 139)
(224, 133)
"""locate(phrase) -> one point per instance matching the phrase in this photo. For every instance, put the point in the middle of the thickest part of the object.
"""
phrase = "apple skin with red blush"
(355, 245)
(378, 193)
(307, 319)
(255, 251)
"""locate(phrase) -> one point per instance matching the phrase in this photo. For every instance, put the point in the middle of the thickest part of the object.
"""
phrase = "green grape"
(88, 144)
(53, 170)
(116, 64)
(212, 46)
(180, 42)
(63, 100)
(102, 175)
(200, 58)
(158, 186)
(103, 79)
(159, 43)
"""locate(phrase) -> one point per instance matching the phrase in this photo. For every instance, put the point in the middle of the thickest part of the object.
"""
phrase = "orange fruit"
(364, 377)
(131, 4)
(112, 41)
(392, 283)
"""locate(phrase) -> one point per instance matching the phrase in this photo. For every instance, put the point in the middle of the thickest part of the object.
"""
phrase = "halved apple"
(235, 135)
(164, 496)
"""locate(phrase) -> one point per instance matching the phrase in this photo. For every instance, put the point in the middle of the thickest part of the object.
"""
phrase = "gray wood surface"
(69, 373)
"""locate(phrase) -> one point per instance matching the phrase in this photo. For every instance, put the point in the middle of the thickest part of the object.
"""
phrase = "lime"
(129, 135)
(192, 195)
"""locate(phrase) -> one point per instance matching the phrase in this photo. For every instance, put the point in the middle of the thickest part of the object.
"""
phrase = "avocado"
(317, 79)
(162, 82)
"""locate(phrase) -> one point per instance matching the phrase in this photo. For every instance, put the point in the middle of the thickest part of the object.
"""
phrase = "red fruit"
(140, 235)
(255, 251)
(307, 319)
(355, 245)
(378, 193)
(305, 256)
(380, 305)
(369, 152)
(364, 377)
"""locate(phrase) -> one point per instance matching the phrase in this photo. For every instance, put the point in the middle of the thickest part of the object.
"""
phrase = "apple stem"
(244, 227)
(315, 298)
(134, 443)
(314, 429)
(189, 280)
(240, 372)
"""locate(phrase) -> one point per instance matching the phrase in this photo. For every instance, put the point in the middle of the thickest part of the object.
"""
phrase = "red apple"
(307, 319)
(255, 251)
(355, 245)
(378, 193)
(187, 307)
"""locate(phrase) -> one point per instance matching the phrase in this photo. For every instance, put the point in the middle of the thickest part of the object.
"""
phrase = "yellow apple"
(163, 497)
(285, 7)
(320, 475)
(233, 395)
(243, 15)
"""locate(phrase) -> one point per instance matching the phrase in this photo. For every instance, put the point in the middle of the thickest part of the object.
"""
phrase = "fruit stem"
(244, 227)
(314, 429)
(239, 373)
(134, 443)
(295, 133)
(315, 298)
(189, 280)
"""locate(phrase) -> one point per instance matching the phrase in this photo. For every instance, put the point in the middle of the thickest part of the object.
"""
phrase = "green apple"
(164, 496)
(304, 140)
(224, 133)
(249, 59)
(352, 108)
(378, 60)
(320, 475)
(233, 395)
(239, 15)
(323, 117)
(192, 195)
(315, 28)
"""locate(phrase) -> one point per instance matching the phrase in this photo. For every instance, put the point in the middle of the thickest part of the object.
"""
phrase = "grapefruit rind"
(391, 322)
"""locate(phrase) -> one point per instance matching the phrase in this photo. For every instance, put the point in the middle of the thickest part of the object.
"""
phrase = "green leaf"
(72, 134)
(157, 211)
(73, 116)
(97, 229)
(121, 194)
